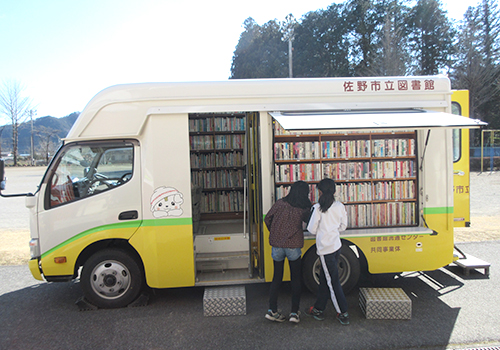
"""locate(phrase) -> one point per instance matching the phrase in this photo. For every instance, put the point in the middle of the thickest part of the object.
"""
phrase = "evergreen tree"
(477, 66)
(321, 47)
(392, 57)
(490, 20)
(430, 38)
(364, 20)
(260, 52)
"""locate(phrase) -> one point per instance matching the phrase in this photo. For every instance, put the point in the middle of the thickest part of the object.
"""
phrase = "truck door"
(461, 162)
(91, 193)
(255, 217)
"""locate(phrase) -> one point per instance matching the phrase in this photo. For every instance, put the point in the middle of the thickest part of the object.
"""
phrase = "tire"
(349, 269)
(111, 278)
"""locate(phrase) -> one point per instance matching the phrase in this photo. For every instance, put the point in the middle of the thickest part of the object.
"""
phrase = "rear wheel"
(349, 269)
(111, 278)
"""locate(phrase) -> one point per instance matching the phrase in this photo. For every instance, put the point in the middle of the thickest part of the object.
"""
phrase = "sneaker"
(275, 316)
(294, 317)
(317, 314)
(343, 318)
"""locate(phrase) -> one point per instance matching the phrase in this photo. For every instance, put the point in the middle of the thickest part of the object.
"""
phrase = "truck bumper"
(35, 269)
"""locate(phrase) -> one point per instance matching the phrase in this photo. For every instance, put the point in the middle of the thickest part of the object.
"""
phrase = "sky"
(63, 52)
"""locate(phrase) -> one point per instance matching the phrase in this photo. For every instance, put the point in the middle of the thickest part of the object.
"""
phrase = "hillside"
(45, 130)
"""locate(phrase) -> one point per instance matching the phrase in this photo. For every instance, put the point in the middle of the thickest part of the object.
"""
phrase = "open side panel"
(222, 188)
(393, 176)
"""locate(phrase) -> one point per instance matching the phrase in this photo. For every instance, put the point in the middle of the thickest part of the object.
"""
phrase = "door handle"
(128, 215)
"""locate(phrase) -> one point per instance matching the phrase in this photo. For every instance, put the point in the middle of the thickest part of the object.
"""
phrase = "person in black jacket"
(284, 221)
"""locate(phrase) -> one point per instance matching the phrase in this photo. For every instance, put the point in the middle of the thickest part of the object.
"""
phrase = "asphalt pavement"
(449, 311)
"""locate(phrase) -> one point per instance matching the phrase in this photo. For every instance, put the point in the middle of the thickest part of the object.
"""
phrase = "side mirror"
(2, 183)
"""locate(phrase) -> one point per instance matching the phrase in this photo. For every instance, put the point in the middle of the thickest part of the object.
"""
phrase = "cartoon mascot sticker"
(166, 201)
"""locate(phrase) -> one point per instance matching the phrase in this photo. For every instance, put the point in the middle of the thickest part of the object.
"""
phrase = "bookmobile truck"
(167, 184)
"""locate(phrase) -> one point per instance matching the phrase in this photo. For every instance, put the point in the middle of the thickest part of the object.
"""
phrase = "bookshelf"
(217, 162)
(375, 172)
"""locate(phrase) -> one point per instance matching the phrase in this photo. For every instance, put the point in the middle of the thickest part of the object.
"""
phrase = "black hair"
(327, 188)
(299, 195)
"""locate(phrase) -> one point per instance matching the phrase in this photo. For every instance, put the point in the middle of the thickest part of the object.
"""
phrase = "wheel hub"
(343, 267)
(110, 279)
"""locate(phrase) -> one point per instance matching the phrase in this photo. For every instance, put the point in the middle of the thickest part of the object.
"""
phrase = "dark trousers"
(329, 284)
(295, 275)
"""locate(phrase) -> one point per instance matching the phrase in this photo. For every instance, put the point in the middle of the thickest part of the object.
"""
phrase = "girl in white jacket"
(328, 218)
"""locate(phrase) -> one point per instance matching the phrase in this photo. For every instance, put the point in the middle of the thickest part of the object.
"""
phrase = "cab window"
(85, 170)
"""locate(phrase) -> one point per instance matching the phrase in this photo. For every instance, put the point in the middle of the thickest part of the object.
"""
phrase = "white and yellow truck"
(167, 184)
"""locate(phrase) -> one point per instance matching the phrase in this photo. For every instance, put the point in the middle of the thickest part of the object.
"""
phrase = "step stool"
(385, 303)
(224, 301)
(473, 263)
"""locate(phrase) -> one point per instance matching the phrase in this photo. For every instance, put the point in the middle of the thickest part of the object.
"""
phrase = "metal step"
(473, 263)
(221, 256)
(224, 301)
(226, 277)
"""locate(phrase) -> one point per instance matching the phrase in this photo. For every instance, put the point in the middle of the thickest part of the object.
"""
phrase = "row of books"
(218, 179)
(203, 179)
(229, 141)
(394, 190)
(393, 147)
(354, 192)
(208, 142)
(230, 178)
(344, 171)
(361, 192)
(201, 125)
(344, 149)
(386, 190)
(231, 201)
(217, 124)
(297, 150)
(228, 159)
(347, 171)
(219, 159)
(396, 169)
(229, 124)
(381, 214)
(201, 142)
(202, 160)
(393, 169)
(296, 172)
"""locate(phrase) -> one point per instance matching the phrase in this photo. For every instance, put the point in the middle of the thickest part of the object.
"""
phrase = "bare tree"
(48, 139)
(15, 107)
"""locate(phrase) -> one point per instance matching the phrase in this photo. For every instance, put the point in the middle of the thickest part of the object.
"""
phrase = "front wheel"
(111, 278)
(349, 269)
